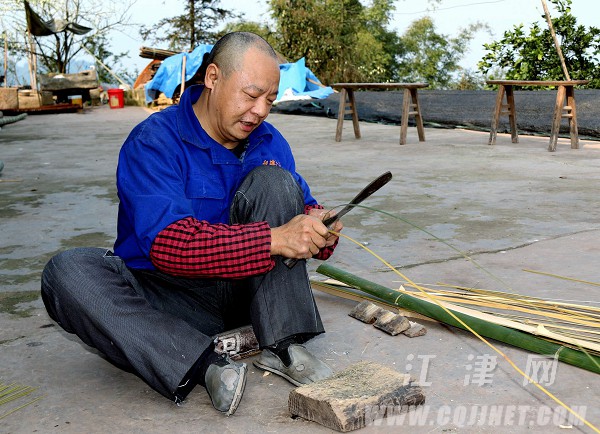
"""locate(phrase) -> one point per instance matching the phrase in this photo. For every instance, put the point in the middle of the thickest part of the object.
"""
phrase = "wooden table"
(565, 93)
(410, 106)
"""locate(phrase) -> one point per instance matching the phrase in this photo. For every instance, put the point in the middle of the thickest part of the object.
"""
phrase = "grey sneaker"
(304, 369)
(225, 382)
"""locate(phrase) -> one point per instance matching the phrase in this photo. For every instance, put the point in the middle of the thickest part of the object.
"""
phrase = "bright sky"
(449, 17)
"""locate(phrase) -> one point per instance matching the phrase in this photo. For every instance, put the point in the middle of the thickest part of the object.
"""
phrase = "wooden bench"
(565, 93)
(410, 106)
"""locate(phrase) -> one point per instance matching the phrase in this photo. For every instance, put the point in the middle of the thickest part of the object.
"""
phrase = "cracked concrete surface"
(508, 207)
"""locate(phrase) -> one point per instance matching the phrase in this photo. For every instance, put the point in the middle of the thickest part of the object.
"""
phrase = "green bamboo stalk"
(484, 328)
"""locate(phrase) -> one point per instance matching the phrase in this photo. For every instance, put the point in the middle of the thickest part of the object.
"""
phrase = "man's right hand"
(300, 238)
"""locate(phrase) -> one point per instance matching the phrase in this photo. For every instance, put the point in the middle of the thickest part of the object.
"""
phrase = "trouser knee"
(59, 278)
(267, 193)
(50, 285)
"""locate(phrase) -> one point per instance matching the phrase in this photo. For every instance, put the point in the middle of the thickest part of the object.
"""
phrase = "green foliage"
(342, 40)
(432, 57)
(523, 55)
(196, 25)
(249, 26)
(468, 80)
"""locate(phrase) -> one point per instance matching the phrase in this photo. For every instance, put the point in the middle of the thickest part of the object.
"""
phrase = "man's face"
(242, 100)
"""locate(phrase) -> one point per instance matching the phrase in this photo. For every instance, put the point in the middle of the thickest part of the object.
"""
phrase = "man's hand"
(303, 236)
(337, 226)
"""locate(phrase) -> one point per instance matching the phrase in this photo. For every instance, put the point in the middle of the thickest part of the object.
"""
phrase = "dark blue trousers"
(156, 325)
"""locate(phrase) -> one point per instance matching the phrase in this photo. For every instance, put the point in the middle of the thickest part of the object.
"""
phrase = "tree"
(196, 25)
(432, 57)
(56, 51)
(533, 56)
(341, 40)
(249, 26)
(98, 47)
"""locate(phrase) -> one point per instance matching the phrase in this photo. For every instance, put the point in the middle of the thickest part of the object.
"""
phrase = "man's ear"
(211, 76)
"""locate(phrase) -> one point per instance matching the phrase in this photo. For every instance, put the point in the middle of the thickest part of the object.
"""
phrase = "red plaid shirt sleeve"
(194, 248)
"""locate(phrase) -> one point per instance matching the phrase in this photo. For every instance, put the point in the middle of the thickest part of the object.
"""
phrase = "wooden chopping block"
(356, 397)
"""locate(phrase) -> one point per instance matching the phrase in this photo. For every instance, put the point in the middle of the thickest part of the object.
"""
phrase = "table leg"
(417, 112)
(558, 109)
(512, 114)
(354, 112)
(496, 115)
(572, 117)
(406, 98)
(341, 114)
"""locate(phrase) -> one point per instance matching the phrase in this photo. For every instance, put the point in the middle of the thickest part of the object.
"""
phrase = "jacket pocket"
(202, 187)
(207, 196)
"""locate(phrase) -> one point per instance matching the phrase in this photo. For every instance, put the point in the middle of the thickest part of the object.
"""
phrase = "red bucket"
(116, 98)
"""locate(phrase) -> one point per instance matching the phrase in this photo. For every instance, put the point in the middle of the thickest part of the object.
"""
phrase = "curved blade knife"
(371, 188)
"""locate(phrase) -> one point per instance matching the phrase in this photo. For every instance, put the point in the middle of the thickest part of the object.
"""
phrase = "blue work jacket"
(169, 169)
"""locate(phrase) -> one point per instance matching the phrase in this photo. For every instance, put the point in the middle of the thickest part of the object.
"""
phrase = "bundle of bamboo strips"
(559, 331)
(571, 324)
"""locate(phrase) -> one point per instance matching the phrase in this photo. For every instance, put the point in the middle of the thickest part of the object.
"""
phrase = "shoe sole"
(277, 372)
(239, 391)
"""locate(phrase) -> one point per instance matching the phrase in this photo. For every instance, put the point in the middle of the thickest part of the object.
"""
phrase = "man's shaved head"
(229, 51)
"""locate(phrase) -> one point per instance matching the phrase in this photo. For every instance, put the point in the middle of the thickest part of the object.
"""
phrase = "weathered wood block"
(9, 99)
(415, 330)
(392, 323)
(30, 99)
(58, 81)
(366, 312)
(355, 397)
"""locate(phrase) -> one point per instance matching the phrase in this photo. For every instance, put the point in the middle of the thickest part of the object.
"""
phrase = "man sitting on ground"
(210, 205)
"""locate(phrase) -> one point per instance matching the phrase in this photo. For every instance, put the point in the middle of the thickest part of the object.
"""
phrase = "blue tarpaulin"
(293, 81)
(295, 76)
(168, 77)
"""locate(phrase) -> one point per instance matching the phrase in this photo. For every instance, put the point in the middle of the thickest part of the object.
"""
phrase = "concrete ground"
(510, 207)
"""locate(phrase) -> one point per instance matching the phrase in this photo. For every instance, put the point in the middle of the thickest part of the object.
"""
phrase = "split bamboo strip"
(20, 407)
(561, 277)
(554, 325)
(12, 392)
(485, 328)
